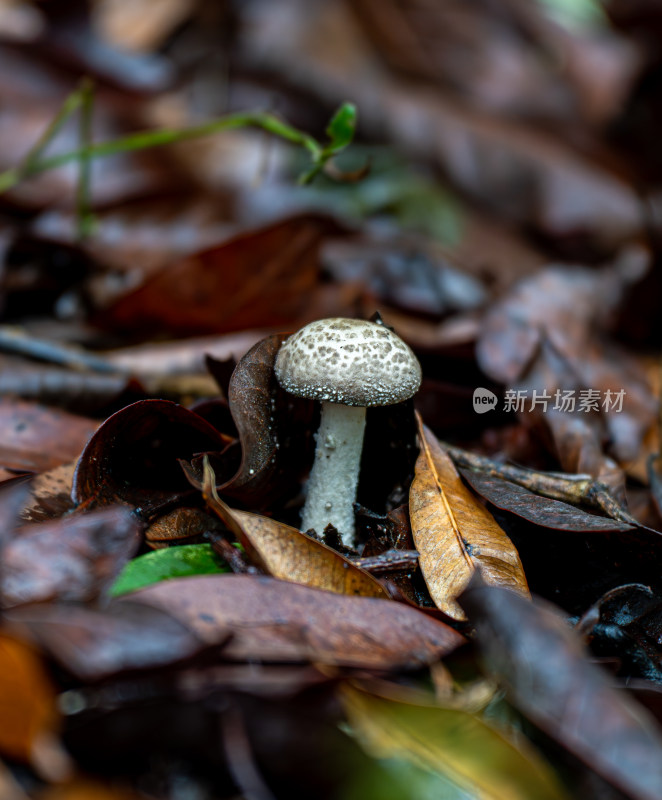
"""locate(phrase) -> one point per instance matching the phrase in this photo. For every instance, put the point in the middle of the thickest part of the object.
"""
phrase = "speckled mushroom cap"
(348, 361)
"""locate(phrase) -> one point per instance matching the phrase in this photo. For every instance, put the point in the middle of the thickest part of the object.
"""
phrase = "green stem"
(157, 138)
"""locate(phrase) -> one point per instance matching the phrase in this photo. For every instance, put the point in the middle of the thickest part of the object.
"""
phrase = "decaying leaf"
(257, 279)
(536, 508)
(286, 553)
(454, 534)
(37, 438)
(182, 526)
(50, 494)
(93, 644)
(132, 458)
(477, 757)
(86, 789)
(273, 427)
(279, 621)
(75, 558)
(543, 666)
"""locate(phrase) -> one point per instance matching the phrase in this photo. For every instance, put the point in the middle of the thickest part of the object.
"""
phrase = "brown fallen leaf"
(28, 711)
(132, 458)
(93, 644)
(290, 555)
(454, 534)
(182, 525)
(86, 789)
(37, 438)
(71, 559)
(50, 494)
(260, 278)
(279, 621)
(535, 508)
(273, 427)
(543, 667)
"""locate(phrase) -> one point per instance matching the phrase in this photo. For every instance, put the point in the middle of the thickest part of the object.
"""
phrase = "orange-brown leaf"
(286, 553)
(454, 534)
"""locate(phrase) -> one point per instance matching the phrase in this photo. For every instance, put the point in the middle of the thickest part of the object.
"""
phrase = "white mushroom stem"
(335, 473)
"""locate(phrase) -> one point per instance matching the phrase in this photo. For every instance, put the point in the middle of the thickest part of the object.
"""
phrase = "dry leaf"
(454, 534)
(290, 555)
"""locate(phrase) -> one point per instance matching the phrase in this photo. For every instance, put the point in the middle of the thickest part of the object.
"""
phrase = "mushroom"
(348, 364)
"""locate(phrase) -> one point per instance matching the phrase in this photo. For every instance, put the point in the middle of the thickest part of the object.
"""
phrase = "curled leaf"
(133, 456)
(273, 427)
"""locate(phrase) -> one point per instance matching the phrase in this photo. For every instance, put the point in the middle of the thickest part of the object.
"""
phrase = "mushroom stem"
(335, 473)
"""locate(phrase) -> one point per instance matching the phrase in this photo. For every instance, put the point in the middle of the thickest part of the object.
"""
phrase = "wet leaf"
(460, 746)
(454, 534)
(626, 623)
(537, 509)
(273, 427)
(289, 554)
(279, 621)
(36, 438)
(256, 279)
(74, 558)
(133, 457)
(93, 645)
(173, 562)
(543, 667)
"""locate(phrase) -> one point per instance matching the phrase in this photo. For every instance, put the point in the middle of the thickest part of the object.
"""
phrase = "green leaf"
(399, 779)
(342, 127)
(446, 741)
(173, 562)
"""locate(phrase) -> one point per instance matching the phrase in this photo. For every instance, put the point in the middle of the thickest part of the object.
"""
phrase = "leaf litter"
(500, 211)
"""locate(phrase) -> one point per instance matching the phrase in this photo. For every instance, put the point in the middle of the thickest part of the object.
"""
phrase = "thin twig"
(389, 561)
(15, 341)
(234, 557)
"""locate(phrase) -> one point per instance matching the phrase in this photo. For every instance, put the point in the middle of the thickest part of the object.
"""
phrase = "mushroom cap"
(348, 361)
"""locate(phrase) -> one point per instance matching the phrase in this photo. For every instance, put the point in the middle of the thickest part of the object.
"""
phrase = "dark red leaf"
(257, 279)
(133, 457)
